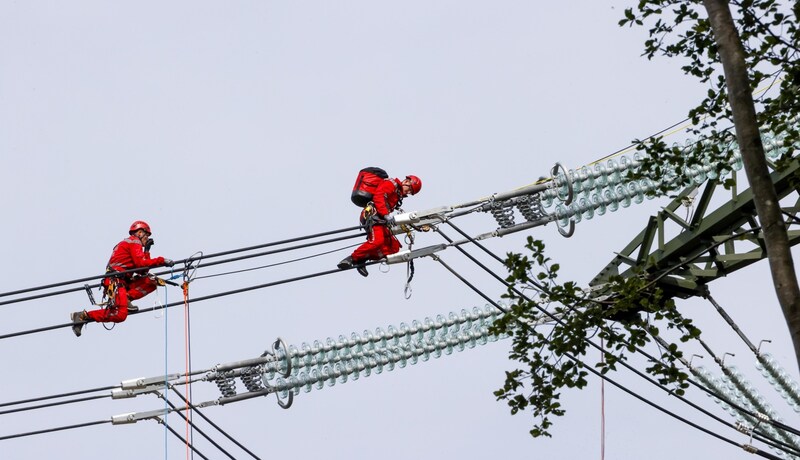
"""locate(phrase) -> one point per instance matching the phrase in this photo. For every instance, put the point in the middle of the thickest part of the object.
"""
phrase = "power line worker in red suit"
(132, 252)
(381, 242)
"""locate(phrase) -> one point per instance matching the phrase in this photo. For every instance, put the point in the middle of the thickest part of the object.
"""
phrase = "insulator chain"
(780, 379)
(314, 366)
(319, 353)
(387, 359)
(724, 386)
(378, 350)
(605, 186)
(748, 391)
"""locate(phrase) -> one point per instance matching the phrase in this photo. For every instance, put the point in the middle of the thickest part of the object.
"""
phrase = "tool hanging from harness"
(363, 195)
(410, 266)
(109, 287)
(114, 282)
(369, 218)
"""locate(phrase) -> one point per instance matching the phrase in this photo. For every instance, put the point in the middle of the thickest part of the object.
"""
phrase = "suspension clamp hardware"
(405, 256)
(762, 417)
(744, 428)
(133, 417)
(142, 382)
(429, 216)
(749, 448)
(120, 393)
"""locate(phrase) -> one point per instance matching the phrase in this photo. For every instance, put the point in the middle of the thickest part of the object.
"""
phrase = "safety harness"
(369, 218)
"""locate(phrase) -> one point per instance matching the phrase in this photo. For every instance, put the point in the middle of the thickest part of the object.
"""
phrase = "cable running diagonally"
(173, 304)
(587, 340)
(230, 438)
(184, 261)
(749, 448)
(195, 427)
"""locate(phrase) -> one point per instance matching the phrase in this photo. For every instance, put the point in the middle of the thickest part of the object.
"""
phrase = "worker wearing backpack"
(383, 195)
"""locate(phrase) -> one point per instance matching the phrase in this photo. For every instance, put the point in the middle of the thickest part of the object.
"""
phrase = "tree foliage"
(735, 52)
(736, 48)
(552, 356)
(770, 36)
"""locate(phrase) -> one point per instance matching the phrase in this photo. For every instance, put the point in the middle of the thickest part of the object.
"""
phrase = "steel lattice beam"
(708, 246)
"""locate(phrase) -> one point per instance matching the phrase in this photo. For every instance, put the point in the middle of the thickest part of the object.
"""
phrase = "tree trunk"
(732, 56)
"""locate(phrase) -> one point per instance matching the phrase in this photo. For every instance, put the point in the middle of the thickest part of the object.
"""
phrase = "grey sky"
(232, 124)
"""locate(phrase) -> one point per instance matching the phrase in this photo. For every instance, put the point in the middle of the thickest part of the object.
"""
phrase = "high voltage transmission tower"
(708, 245)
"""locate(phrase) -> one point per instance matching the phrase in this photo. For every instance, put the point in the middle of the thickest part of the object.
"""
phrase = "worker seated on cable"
(130, 253)
(387, 196)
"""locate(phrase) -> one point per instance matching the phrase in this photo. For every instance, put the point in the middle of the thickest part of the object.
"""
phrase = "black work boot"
(132, 308)
(78, 319)
(362, 270)
(346, 263)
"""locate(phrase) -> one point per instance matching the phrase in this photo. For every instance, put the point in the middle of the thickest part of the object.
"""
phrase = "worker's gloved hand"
(169, 262)
(149, 244)
(389, 220)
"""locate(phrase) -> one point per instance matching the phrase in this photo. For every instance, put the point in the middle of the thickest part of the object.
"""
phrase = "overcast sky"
(231, 124)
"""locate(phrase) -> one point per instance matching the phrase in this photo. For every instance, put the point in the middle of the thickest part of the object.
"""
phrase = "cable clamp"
(426, 217)
(142, 382)
(120, 393)
(749, 448)
(133, 417)
(744, 428)
(405, 256)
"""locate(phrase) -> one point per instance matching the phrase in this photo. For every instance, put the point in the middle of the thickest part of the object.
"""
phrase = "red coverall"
(380, 240)
(127, 254)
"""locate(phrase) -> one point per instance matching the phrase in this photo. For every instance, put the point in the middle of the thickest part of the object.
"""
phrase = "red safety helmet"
(416, 184)
(139, 225)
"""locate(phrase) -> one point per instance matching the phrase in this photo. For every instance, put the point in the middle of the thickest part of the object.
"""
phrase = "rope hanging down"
(628, 366)
(189, 272)
(746, 447)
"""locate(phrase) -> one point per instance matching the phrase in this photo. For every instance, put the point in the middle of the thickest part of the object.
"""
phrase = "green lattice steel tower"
(709, 245)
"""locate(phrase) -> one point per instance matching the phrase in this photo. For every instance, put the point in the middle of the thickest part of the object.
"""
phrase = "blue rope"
(166, 370)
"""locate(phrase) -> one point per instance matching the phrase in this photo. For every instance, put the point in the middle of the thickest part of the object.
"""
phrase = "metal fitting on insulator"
(530, 207)
(252, 382)
(504, 216)
(227, 386)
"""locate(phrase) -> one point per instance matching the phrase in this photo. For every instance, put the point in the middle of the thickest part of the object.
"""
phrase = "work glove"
(149, 244)
(389, 220)
(169, 262)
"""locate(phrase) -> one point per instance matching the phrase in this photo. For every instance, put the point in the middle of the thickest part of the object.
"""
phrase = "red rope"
(185, 287)
(602, 406)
